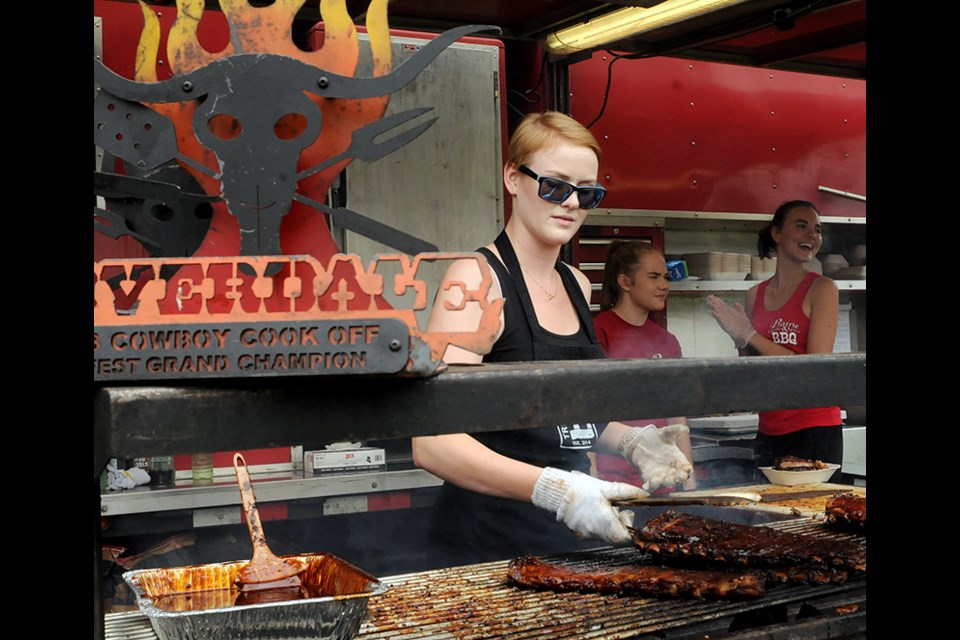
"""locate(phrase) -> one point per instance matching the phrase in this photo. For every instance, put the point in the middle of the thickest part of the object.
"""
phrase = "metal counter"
(273, 487)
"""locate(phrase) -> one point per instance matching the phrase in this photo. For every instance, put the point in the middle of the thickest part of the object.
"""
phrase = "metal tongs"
(725, 499)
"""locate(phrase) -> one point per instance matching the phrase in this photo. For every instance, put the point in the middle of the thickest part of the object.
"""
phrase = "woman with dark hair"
(528, 491)
(794, 312)
(635, 287)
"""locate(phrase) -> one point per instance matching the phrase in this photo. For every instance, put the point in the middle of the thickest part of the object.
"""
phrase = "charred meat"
(793, 463)
(848, 511)
(636, 579)
(794, 557)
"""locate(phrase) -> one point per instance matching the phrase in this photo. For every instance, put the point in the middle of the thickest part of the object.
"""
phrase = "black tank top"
(469, 527)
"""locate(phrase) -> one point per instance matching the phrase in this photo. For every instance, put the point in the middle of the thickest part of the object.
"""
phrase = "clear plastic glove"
(582, 502)
(654, 452)
(733, 320)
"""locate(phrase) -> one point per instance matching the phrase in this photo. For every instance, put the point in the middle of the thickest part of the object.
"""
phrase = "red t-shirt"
(620, 339)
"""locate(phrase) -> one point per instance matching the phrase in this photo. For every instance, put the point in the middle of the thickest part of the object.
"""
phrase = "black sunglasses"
(557, 191)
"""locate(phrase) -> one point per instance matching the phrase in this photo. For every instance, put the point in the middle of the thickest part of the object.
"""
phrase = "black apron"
(469, 527)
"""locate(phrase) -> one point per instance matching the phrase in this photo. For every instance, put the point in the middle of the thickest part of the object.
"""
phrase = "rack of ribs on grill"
(847, 511)
(636, 579)
(791, 557)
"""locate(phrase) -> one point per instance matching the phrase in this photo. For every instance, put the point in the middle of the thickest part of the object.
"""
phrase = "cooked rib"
(793, 463)
(847, 510)
(638, 579)
(691, 537)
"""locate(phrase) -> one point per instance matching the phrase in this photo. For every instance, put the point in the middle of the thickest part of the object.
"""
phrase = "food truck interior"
(708, 119)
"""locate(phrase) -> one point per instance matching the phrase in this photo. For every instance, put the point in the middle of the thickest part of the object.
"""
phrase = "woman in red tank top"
(794, 312)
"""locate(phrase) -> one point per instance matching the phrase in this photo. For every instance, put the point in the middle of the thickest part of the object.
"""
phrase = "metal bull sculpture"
(252, 283)
(258, 112)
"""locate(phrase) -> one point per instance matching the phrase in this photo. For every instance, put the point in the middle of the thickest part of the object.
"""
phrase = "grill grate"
(475, 602)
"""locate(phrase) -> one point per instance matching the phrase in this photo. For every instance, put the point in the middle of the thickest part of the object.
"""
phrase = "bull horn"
(331, 85)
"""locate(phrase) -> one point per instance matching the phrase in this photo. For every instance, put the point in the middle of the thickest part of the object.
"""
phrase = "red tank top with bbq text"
(788, 327)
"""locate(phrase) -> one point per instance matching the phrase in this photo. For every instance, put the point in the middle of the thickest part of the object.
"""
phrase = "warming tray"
(201, 602)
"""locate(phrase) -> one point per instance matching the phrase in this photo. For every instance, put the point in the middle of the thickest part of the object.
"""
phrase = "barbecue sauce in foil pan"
(202, 602)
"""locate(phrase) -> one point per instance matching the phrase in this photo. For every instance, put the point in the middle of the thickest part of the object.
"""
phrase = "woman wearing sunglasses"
(517, 492)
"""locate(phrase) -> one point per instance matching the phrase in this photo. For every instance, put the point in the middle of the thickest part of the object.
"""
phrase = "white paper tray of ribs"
(691, 556)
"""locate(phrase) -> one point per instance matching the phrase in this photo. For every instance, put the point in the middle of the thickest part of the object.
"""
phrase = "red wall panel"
(685, 135)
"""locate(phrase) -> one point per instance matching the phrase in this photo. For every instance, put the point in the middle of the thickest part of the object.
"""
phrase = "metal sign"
(322, 347)
(277, 315)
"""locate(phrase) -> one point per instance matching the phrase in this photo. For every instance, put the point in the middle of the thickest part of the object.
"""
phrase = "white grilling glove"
(654, 452)
(582, 502)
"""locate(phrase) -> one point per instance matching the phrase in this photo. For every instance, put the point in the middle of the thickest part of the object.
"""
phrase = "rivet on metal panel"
(691, 103)
(772, 113)
(773, 149)
(693, 182)
(394, 345)
(774, 185)
(693, 143)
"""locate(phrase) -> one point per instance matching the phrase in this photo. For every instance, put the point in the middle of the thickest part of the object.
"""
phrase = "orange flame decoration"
(268, 30)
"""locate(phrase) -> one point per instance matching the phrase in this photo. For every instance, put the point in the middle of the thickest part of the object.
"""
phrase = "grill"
(475, 602)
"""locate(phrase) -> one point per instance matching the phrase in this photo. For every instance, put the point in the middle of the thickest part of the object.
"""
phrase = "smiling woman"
(794, 312)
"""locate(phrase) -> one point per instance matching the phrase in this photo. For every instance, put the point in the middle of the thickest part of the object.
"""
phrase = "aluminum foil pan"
(202, 602)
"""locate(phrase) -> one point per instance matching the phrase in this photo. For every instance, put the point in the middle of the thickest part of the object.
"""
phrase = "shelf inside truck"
(706, 286)
(290, 485)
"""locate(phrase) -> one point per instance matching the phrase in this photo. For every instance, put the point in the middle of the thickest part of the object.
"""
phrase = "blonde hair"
(539, 130)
